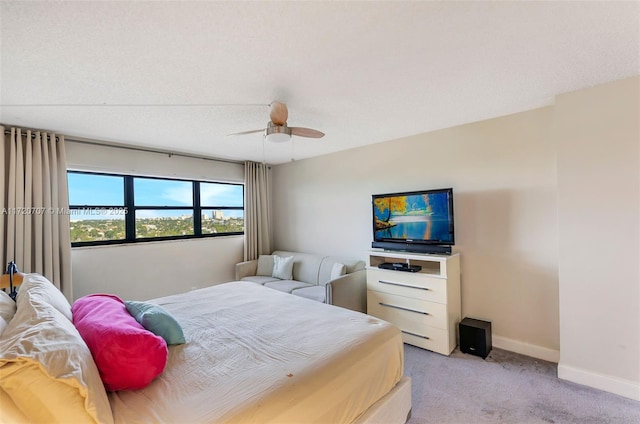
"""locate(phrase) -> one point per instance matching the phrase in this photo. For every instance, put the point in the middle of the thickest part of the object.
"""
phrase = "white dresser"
(425, 305)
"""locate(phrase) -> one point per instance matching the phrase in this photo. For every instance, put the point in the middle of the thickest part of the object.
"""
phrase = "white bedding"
(258, 355)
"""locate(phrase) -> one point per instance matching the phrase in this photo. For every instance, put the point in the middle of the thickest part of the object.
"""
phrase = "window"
(216, 220)
(109, 209)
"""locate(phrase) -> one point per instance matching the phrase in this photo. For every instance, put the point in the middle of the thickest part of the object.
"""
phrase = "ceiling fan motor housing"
(277, 133)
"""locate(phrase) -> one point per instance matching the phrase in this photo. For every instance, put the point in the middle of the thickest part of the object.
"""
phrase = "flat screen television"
(416, 221)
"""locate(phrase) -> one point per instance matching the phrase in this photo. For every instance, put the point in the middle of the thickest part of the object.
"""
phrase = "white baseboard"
(524, 348)
(618, 386)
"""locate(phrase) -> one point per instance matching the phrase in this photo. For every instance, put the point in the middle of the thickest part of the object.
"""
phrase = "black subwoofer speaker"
(475, 337)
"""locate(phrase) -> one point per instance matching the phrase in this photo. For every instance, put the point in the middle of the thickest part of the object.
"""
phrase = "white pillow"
(338, 270)
(3, 325)
(38, 286)
(283, 267)
(47, 369)
(265, 265)
(7, 307)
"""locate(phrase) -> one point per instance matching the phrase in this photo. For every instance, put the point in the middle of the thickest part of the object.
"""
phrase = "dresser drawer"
(430, 338)
(408, 284)
(407, 313)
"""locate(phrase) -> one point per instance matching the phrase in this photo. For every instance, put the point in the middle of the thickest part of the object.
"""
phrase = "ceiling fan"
(277, 129)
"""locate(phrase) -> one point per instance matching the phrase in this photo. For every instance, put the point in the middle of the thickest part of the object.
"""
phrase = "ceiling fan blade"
(278, 113)
(246, 132)
(306, 132)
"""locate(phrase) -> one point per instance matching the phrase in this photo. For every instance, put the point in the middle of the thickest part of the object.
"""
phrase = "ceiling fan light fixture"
(277, 133)
(277, 130)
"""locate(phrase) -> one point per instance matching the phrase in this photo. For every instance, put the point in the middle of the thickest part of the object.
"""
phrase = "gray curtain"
(34, 220)
(257, 207)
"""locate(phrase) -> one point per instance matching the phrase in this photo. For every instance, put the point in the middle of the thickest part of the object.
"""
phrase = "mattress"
(259, 355)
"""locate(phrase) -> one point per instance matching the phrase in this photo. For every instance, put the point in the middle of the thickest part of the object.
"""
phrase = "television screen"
(421, 217)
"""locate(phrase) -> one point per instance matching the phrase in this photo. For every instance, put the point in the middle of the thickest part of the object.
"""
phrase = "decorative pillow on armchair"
(283, 267)
(265, 266)
(338, 270)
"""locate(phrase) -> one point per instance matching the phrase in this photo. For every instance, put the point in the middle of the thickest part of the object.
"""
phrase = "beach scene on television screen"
(413, 217)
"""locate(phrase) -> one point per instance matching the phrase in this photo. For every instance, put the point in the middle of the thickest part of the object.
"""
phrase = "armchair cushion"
(287, 286)
(318, 293)
(259, 279)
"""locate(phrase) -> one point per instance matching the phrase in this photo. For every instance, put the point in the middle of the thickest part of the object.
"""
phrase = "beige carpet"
(504, 388)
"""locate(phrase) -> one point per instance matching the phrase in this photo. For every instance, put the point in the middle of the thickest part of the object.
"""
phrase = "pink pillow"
(128, 356)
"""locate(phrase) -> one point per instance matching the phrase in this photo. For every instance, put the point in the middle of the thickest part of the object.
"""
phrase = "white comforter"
(258, 355)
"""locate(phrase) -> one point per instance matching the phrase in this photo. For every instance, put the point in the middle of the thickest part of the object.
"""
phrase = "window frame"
(131, 208)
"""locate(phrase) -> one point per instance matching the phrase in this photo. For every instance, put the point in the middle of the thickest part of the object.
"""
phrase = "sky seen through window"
(108, 190)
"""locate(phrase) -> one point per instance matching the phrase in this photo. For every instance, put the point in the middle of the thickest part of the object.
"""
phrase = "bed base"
(393, 408)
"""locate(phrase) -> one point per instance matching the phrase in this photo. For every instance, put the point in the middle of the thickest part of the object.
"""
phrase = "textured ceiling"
(180, 76)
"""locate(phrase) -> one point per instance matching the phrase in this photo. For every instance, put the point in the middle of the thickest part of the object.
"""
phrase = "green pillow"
(157, 320)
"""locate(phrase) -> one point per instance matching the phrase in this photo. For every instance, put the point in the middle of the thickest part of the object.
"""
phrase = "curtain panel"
(34, 219)
(257, 207)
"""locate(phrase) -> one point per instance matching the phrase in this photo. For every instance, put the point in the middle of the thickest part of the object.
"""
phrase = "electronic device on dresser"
(414, 221)
(399, 266)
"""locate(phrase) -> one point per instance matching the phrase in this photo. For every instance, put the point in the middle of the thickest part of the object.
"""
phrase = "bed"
(255, 355)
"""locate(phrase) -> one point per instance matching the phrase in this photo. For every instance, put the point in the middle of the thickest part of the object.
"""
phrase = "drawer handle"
(403, 308)
(402, 285)
(414, 334)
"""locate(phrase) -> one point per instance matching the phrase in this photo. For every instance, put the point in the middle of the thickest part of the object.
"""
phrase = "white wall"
(153, 269)
(547, 206)
(143, 271)
(503, 172)
(598, 137)
(112, 159)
